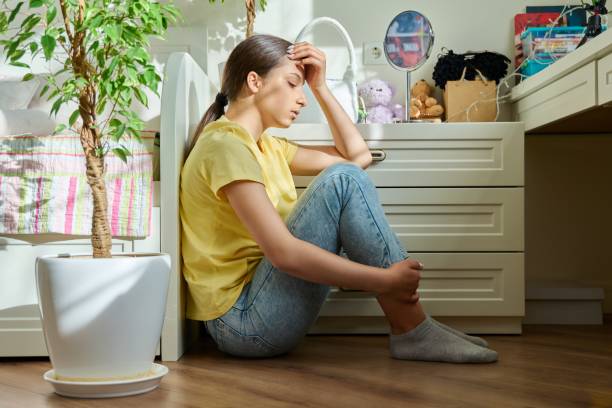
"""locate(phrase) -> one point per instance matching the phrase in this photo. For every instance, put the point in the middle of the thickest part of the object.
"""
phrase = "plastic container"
(544, 45)
(556, 40)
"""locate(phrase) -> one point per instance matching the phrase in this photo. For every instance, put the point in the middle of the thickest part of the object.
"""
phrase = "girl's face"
(282, 94)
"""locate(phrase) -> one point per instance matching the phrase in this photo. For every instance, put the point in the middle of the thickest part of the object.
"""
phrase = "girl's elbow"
(280, 256)
(364, 160)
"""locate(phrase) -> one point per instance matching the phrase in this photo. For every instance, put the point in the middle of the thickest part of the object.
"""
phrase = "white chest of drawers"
(454, 194)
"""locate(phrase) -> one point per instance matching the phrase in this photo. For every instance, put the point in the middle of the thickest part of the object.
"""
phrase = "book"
(576, 17)
(524, 20)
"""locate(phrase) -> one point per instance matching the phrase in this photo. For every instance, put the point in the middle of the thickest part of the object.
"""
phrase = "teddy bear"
(422, 104)
(376, 95)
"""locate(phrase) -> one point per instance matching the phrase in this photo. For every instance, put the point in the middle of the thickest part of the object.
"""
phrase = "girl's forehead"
(291, 67)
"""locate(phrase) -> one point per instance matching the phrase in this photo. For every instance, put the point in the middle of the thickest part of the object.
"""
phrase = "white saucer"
(107, 389)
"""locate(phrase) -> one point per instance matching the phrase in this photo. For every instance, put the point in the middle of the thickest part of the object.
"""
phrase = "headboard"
(186, 94)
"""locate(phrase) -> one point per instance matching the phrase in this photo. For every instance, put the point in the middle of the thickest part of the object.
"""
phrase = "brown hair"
(259, 53)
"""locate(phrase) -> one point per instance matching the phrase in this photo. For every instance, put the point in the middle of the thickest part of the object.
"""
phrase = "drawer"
(474, 284)
(430, 155)
(604, 80)
(571, 94)
(456, 219)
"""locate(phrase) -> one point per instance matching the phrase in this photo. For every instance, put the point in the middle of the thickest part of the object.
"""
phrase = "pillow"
(17, 94)
(20, 121)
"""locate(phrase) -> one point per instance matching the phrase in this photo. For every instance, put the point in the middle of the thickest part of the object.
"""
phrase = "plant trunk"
(250, 6)
(90, 140)
(100, 230)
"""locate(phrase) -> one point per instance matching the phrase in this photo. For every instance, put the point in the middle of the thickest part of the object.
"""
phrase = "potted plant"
(102, 313)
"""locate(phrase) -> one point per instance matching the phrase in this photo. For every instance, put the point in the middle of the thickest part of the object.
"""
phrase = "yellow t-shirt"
(219, 253)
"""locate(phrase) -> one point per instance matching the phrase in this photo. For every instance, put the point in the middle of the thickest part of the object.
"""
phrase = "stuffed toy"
(422, 104)
(377, 95)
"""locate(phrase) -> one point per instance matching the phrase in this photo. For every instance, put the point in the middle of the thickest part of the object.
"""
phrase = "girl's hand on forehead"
(313, 60)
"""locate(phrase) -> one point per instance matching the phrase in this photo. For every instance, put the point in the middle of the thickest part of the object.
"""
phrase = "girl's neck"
(248, 117)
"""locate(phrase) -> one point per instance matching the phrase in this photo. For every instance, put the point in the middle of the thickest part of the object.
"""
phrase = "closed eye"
(292, 84)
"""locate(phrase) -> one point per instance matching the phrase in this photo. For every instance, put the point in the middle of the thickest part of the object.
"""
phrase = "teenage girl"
(259, 262)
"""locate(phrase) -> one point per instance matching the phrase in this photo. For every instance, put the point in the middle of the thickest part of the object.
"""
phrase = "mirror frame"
(428, 52)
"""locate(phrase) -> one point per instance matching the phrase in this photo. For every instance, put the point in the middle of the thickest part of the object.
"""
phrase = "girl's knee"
(347, 168)
(344, 167)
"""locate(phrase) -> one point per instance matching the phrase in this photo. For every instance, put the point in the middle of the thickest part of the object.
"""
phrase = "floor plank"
(546, 366)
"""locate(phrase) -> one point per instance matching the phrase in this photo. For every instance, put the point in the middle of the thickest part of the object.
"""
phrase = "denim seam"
(268, 274)
(237, 333)
(363, 195)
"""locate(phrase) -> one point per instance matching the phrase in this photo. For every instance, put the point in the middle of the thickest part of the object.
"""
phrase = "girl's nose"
(302, 100)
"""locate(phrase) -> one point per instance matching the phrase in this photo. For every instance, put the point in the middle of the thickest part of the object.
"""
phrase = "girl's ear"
(253, 82)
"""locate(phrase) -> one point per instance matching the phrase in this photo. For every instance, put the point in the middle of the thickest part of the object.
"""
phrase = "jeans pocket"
(232, 342)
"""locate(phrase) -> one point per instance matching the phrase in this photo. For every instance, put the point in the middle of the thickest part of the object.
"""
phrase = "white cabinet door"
(431, 155)
(455, 219)
(452, 284)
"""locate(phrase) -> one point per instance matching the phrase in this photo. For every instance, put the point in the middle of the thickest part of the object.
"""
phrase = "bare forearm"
(347, 138)
(309, 262)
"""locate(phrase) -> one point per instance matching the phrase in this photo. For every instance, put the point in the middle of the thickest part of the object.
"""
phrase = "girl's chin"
(286, 122)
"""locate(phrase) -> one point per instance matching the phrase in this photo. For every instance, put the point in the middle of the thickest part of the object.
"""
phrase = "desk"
(566, 177)
(573, 95)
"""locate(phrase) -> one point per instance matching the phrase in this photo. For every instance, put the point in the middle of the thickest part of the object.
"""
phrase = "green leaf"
(19, 64)
(17, 54)
(27, 20)
(150, 77)
(33, 47)
(73, 117)
(113, 31)
(141, 96)
(45, 89)
(15, 12)
(28, 76)
(36, 3)
(81, 82)
(48, 44)
(51, 13)
(3, 22)
(59, 128)
(56, 105)
(118, 132)
(138, 53)
(121, 154)
(101, 106)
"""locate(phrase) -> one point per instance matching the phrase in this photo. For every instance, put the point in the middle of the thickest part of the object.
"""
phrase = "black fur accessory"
(450, 66)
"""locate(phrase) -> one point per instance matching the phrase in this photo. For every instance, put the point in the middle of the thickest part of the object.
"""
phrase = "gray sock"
(429, 342)
(479, 341)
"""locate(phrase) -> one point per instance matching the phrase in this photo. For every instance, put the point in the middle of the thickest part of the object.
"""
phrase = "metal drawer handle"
(378, 155)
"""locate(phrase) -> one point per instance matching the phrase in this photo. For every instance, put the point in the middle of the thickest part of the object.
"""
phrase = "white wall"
(458, 25)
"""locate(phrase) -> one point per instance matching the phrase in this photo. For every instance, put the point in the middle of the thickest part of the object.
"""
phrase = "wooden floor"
(547, 366)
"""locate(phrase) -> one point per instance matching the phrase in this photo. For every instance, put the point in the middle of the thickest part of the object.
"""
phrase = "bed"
(187, 93)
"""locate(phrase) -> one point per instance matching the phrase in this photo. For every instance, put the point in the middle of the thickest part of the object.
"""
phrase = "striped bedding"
(43, 187)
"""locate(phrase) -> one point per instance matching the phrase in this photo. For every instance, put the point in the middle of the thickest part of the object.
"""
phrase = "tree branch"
(66, 20)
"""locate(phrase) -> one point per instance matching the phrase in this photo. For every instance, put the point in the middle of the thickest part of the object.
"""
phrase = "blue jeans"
(339, 210)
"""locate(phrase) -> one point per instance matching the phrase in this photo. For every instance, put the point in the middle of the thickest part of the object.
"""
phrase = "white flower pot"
(102, 318)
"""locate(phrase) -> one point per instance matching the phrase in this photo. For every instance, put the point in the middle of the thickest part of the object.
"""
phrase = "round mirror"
(407, 45)
(408, 40)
